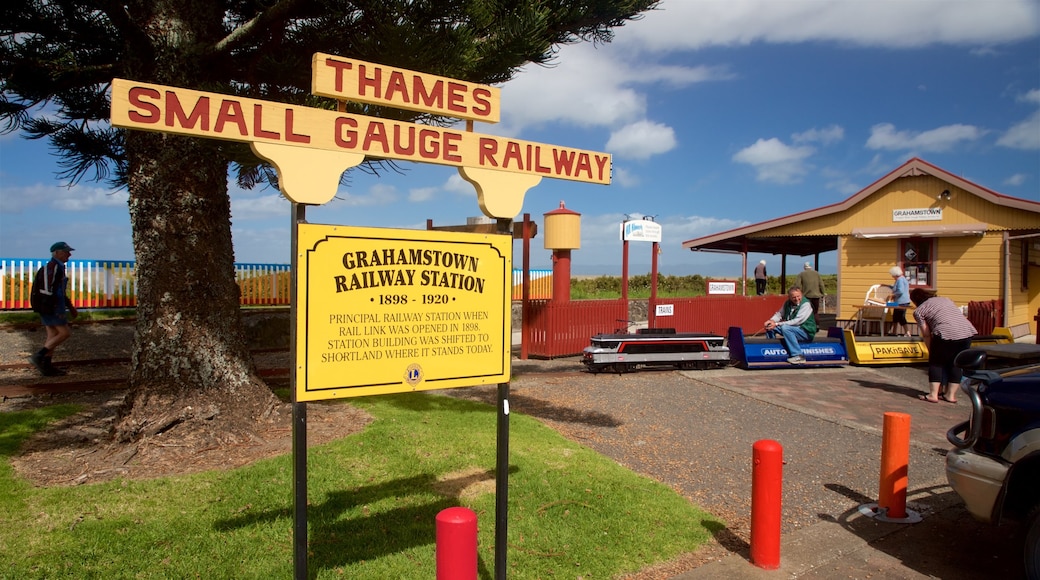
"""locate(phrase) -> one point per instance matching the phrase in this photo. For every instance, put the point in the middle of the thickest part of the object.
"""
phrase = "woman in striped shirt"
(946, 332)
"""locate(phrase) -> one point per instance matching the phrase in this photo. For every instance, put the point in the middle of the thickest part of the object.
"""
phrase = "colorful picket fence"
(541, 284)
(112, 284)
(92, 283)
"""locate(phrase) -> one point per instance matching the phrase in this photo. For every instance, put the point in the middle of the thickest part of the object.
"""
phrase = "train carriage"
(655, 347)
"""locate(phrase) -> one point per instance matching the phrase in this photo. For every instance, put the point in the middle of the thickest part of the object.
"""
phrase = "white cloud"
(885, 136)
(420, 194)
(684, 25)
(623, 177)
(262, 246)
(592, 87)
(1024, 135)
(827, 135)
(378, 194)
(267, 206)
(775, 161)
(1016, 179)
(642, 140)
(1032, 96)
(690, 227)
(78, 198)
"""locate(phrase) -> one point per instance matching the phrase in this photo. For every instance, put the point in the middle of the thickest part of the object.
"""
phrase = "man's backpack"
(41, 297)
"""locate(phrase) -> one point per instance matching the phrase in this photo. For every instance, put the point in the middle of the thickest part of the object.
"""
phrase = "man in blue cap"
(54, 307)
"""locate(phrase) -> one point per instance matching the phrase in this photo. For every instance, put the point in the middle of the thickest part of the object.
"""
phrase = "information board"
(388, 311)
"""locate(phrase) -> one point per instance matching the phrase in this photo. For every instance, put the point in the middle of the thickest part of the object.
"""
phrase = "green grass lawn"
(374, 497)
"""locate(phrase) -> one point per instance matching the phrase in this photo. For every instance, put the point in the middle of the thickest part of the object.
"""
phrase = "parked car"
(995, 466)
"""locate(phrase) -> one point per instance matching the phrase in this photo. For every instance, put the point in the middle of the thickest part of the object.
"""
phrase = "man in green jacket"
(793, 323)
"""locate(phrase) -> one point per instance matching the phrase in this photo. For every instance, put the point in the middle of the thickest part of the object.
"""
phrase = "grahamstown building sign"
(923, 214)
(389, 311)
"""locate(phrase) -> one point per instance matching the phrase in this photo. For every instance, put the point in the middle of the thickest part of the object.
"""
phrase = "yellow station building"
(948, 234)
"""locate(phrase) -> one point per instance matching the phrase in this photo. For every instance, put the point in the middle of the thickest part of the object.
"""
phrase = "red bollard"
(457, 544)
(766, 491)
(895, 458)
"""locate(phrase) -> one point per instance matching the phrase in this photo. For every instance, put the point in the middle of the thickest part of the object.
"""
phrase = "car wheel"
(1031, 550)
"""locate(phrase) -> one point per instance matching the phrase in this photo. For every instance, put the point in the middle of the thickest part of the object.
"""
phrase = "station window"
(917, 255)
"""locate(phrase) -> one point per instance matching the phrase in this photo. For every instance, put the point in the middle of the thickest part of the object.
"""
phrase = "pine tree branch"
(257, 25)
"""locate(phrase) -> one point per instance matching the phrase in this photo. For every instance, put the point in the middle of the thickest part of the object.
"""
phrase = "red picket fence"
(985, 315)
(717, 313)
(554, 329)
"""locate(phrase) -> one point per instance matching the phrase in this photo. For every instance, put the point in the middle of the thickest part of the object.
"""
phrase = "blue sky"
(718, 113)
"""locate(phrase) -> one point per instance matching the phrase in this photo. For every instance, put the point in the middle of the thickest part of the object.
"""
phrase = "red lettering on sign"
(376, 133)
(432, 98)
(258, 121)
(400, 147)
(583, 165)
(366, 82)
(457, 97)
(148, 112)
(451, 147)
(483, 104)
(231, 112)
(538, 167)
(396, 85)
(175, 116)
(290, 135)
(487, 149)
(429, 146)
(345, 133)
(564, 160)
(339, 67)
(513, 154)
(601, 163)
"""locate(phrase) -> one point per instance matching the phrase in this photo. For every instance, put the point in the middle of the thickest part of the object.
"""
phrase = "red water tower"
(562, 234)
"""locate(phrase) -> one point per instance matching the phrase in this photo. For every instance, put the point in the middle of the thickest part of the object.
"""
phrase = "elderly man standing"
(53, 306)
(812, 288)
(761, 278)
(794, 323)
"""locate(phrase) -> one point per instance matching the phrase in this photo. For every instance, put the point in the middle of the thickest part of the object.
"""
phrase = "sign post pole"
(502, 454)
(299, 419)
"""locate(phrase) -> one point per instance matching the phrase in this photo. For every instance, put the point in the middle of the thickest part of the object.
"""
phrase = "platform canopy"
(733, 242)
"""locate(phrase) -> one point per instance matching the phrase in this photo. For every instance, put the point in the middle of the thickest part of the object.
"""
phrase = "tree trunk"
(190, 366)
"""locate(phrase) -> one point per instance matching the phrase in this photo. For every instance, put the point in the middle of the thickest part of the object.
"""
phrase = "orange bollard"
(456, 544)
(766, 491)
(895, 458)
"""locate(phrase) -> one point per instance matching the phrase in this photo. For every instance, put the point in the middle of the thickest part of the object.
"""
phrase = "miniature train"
(692, 350)
(655, 347)
(757, 352)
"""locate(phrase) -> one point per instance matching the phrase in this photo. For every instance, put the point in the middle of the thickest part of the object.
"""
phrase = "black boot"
(52, 371)
(38, 360)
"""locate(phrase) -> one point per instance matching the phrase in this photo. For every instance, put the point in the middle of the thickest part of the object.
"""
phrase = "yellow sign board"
(366, 82)
(384, 311)
(898, 350)
(181, 111)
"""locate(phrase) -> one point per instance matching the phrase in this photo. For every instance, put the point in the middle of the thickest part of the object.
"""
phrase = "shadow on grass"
(17, 426)
(335, 540)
